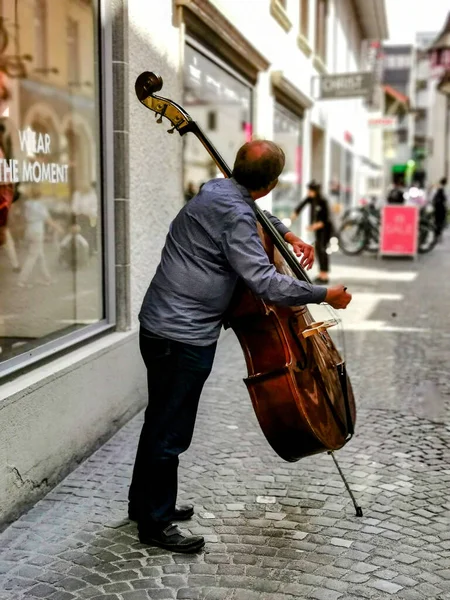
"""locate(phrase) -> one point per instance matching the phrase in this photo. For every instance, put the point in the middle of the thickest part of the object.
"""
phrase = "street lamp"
(439, 52)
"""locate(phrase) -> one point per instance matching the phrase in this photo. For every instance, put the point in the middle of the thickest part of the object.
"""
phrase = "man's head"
(443, 181)
(257, 167)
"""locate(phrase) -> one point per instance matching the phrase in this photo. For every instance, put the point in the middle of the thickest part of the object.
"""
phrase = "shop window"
(220, 102)
(288, 133)
(321, 29)
(51, 259)
(304, 18)
(40, 32)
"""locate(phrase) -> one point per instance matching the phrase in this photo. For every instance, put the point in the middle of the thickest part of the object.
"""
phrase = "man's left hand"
(306, 251)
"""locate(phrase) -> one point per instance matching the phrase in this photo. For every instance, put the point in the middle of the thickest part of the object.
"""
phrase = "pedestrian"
(440, 208)
(211, 244)
(321, 225)
(36, 217)
(396, 193)
(85, 207)
(74, 249)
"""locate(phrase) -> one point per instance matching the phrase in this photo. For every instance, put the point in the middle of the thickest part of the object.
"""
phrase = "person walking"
(36, 216)
(321, 225)
(211, 245)
(440, 208)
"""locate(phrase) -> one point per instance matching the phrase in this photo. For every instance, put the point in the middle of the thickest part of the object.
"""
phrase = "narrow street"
(278, 530)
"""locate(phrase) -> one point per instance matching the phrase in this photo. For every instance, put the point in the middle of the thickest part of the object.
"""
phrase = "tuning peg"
(171, 130)
(159, 120)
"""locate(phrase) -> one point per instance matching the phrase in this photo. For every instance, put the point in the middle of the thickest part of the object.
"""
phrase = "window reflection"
(288, 134)
(51, 279)
(221, 106)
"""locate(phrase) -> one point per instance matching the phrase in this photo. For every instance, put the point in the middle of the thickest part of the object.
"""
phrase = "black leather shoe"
(172, 539)
(182, 513)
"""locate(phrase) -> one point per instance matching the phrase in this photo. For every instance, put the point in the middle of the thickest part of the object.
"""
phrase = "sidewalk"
(276, 530)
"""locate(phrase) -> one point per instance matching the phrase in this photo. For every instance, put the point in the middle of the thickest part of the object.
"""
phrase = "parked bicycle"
(360, 229)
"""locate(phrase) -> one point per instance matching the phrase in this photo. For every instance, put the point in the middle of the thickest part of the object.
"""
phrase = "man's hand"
(301, 248)
(338, 297)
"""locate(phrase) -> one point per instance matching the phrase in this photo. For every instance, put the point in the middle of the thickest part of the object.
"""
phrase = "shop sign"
(346, 85)
(399, 230)
(386, 123)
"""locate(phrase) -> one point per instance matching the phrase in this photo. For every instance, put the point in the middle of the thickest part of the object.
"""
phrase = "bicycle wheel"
(427, 237)
(352, 237)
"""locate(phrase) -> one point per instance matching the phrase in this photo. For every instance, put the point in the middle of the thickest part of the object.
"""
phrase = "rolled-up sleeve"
(280, 227)
(245, 253)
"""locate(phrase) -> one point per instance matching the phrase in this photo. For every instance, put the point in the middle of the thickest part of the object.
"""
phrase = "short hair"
(256, 171)
(443, 181)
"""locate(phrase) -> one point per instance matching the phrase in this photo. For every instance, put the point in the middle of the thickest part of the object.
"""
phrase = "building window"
(321, 29)
(51, 228)
(397, 61)
(212, 120)
(288, 133)
(40, 33)
(220, 102)
(304, 18)
(73, 52)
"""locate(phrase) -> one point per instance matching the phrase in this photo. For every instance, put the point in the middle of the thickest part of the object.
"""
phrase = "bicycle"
(360, 230)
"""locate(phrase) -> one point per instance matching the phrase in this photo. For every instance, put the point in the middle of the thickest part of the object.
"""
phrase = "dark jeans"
(440, 217)
(176, 373)
(322, 239)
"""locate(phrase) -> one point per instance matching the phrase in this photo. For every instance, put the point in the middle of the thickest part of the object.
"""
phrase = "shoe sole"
(185, 550)
(186, 518)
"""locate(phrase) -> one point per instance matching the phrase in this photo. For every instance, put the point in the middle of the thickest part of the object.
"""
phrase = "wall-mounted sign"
(345, 85)
(385, 122)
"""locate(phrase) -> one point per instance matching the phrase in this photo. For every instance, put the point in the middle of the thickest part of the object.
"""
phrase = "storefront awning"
(396, 94)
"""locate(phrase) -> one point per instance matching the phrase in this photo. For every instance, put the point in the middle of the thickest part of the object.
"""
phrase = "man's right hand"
(338, 297)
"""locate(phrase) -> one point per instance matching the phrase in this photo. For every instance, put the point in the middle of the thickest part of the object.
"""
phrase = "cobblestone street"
(276, 530)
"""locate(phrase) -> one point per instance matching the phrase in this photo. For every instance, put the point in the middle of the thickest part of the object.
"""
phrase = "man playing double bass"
(212, 243)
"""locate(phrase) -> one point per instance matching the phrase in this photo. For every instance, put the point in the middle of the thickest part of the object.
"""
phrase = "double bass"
(297, 380)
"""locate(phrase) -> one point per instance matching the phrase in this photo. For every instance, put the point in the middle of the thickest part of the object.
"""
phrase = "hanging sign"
(346, 85)
(399, 230)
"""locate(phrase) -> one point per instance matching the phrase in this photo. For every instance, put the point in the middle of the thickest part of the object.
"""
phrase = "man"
(210, 245)
(320, 224)
(440, 208)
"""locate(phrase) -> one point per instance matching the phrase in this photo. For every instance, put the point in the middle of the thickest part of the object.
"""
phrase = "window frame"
(304, 23)
(321, 30)
(105, 160)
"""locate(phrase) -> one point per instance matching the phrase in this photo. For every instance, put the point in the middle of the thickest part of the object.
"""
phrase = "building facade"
(94, 182)
(399, 97)
(438, 160)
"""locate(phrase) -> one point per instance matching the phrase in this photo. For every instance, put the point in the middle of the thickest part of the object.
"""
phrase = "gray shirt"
(212, 242)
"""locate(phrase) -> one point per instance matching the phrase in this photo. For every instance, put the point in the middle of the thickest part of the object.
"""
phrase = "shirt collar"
(245, 193)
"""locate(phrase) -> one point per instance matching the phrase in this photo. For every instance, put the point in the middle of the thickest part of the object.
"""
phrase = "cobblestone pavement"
(278, 530)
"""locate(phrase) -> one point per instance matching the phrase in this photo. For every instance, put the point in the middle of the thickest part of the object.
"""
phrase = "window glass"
(221, 106)
(288, 135)
(51, 274)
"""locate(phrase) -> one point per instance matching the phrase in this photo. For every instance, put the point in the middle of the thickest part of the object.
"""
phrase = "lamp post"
(439, 52)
